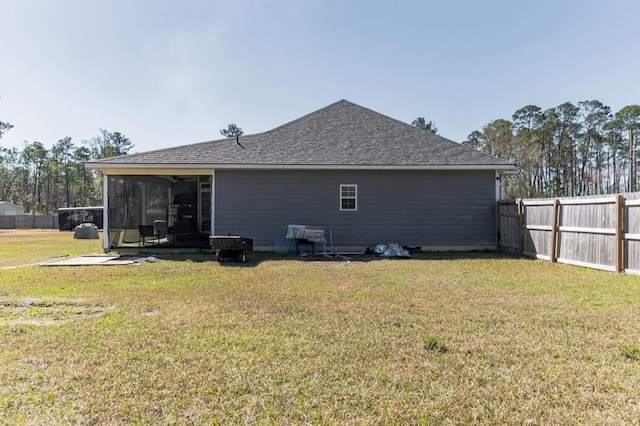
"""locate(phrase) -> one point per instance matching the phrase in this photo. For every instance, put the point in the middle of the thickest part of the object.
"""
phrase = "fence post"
(619, 244)
(554, 230)
(521, 224)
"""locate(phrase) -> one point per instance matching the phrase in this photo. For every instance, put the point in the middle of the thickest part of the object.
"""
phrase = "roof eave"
(223, 166)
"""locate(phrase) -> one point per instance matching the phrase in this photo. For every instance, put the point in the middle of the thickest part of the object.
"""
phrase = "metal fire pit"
(231, 247)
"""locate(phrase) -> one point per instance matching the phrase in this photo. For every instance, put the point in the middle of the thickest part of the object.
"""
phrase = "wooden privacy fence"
(27, 221)
(602, 233)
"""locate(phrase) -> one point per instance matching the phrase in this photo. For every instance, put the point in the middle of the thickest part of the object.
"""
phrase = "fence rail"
(596, 232)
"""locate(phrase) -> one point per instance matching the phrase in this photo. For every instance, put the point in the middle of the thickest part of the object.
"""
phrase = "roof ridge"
(341, 101)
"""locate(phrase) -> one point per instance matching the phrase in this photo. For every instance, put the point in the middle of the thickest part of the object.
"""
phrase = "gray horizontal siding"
(426, 208)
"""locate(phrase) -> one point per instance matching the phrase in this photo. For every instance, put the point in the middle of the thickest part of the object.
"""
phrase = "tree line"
(41, 179)
(568, 150)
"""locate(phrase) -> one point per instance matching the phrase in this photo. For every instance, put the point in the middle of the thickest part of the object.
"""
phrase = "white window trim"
(355, 197)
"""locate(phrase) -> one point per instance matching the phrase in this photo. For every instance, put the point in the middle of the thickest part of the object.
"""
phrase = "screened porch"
(158, 211)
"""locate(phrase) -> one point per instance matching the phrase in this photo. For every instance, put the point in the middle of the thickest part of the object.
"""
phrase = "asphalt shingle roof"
(341, 134)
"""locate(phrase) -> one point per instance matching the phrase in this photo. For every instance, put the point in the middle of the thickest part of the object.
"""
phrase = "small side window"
(348, 197)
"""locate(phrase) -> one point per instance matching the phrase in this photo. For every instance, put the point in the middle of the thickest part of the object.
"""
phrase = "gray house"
(368, 177)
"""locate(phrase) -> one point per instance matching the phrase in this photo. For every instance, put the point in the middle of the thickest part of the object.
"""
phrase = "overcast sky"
(167, 73)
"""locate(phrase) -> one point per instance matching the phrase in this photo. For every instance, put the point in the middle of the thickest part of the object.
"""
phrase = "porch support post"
(105, 213)
(213, 203)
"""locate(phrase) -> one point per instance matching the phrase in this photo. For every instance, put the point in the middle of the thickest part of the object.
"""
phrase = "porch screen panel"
(157, 203)
(125, 207)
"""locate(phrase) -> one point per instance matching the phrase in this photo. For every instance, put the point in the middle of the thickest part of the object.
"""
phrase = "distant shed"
(8, 209)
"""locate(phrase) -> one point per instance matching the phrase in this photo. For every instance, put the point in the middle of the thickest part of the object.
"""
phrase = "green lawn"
(441, 338)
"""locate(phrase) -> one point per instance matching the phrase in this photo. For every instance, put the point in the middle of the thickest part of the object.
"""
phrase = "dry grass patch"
(37, 312)
(283, 341)
(21, 247)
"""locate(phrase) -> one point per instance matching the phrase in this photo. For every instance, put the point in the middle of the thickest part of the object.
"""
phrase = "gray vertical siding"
(416, 208)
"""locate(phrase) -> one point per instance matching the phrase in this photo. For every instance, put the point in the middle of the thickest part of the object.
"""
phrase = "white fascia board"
(127, 166)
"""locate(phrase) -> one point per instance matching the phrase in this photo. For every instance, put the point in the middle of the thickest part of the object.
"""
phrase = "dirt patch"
(32, 311)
